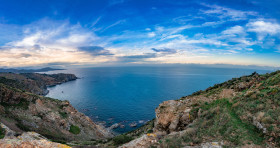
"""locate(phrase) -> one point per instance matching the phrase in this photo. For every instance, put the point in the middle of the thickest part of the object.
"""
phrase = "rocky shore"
(23, 111)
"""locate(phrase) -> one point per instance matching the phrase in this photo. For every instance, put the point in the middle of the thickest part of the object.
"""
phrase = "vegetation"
(63, 114)
(55, 137)
(2, 132)
(22, 104)
(250, 117)
(22, 126)
(121, 139)
(218, 122)
(74, 130)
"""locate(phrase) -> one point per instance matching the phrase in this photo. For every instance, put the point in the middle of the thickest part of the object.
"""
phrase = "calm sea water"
(130, 94)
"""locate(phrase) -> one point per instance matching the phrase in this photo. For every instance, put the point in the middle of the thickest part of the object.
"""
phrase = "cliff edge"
(242, 112)
(22, 111)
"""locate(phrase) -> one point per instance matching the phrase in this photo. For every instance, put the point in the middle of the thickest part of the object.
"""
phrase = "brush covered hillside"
(34, 82)
(22, 111)
(242, 112)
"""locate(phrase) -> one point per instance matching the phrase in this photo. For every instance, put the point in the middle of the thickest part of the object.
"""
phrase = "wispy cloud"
(114, 24)
(227, 13)
(96, 21)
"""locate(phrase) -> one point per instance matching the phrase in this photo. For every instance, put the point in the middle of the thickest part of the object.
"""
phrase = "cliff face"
(34, 82)
(57, 120)
(242, 112)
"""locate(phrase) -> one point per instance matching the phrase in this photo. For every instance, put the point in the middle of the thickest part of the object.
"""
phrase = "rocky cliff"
(26, 140)
(34, 82)
(242, 112)
(23, 111)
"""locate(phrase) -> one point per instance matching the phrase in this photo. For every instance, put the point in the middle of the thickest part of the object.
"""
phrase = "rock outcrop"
(27, 140)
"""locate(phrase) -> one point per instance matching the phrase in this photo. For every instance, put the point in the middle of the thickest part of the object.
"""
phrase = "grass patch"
(228, 124)
(218, 121)
(74, 130)
(121, 139)
(63, 114)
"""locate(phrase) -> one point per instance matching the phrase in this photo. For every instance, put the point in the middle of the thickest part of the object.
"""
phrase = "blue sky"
(122, 32)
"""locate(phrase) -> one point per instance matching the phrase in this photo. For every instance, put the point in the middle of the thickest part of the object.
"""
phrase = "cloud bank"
(213, 34)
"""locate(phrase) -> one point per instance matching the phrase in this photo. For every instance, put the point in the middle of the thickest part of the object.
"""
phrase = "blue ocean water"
(130, 94)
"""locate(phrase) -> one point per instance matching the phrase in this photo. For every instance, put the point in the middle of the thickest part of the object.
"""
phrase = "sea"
(129, 95)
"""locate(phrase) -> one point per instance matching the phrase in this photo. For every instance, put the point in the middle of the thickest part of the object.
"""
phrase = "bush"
(22, 104)
(22, 127)
(74, 130)
(63, 114)
(2, 133)
(121, 139)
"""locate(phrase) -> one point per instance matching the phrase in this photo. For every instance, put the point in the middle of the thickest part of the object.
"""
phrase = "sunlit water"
(130, 94)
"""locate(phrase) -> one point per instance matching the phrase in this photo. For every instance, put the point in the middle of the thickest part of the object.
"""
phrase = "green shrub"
(63, 114)
(74, 130)
(22, 127)
(22, 104)
(121, 139)
(2, 133)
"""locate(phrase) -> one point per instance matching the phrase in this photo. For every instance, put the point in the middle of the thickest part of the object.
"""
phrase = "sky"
(84, 33)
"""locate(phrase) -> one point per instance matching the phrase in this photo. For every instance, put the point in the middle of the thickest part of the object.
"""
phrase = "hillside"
(23, 111)
(34, 82)
(242, 112)
(13, 70)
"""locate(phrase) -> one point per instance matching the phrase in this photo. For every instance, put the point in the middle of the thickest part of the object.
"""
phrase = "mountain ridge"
(15, 70)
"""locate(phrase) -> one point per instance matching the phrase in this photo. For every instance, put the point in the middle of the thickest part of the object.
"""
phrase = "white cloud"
(57, 44)
(148, 29)
(249, 49)
(76, 39)
(263, 28)
(234, 30)
(151, 34)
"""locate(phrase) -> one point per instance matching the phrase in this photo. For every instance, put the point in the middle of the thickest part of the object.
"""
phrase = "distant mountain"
(34, 82)
(28, 70)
